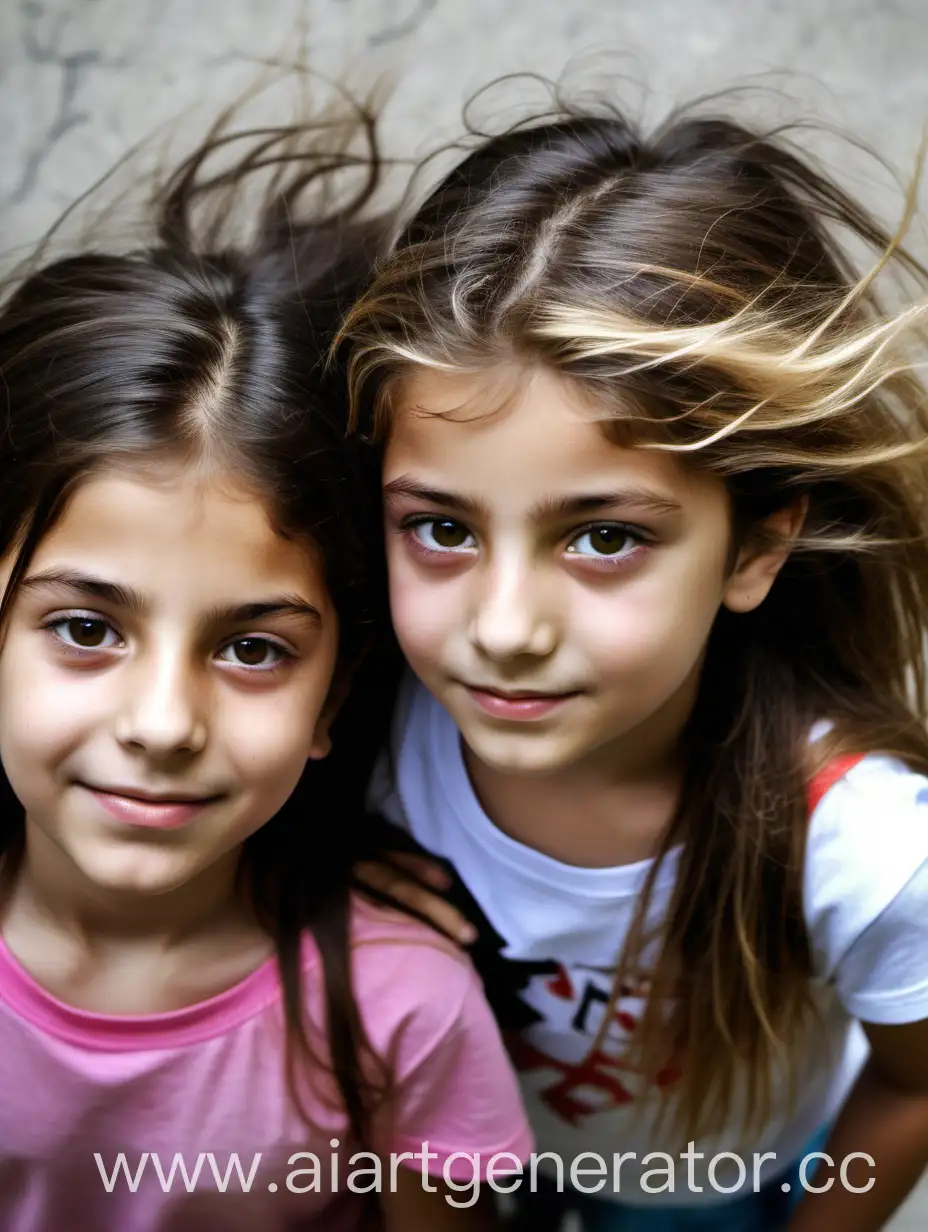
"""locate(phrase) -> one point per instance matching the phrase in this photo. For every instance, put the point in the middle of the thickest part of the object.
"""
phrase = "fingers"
(399, 884)
(422, 868)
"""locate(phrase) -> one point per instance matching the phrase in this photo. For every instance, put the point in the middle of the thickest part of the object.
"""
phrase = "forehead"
(159, 532)
(530, 426)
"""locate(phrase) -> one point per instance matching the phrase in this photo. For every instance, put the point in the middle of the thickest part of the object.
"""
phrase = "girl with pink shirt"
(200, 1028)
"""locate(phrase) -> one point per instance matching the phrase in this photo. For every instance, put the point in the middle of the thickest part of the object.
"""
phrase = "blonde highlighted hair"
(697, 283)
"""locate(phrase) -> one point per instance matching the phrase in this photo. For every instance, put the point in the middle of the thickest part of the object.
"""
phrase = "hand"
(416, 882)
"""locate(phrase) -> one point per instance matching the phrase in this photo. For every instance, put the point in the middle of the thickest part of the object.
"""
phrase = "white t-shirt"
(561, 929)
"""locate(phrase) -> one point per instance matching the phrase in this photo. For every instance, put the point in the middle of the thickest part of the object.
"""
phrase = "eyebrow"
(133, 601)
(632, 497)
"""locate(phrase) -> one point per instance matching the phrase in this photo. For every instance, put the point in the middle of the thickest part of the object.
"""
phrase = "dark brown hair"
(191, 346)
(696, 282)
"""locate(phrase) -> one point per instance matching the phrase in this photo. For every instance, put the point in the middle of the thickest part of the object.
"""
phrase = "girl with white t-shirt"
(655, 463)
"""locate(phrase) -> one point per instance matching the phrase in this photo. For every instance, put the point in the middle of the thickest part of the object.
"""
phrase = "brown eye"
(85, 632)
(444, 535)
(253, 652)
(89, 633)
(607, 539)
(450, 534)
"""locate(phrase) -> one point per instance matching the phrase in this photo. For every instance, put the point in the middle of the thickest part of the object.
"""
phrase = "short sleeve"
(883, 978)
(866, 891)
(453, 1088)
(459, 1094)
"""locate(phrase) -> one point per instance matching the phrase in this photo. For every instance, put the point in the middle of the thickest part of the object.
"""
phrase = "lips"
(170, 811)
(523, 704)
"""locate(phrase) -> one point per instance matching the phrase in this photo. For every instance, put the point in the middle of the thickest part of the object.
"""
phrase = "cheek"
(658, 627)
(621, 635)
(269, 737)
(43, 714)
(269, 754)
(422, 612)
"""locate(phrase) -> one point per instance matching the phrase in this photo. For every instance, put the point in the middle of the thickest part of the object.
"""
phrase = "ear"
(321, 744)
(756, 568)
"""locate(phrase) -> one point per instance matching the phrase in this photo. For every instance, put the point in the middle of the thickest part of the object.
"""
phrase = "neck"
(50, 887)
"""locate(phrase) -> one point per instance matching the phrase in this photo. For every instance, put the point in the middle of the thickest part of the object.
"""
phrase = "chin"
(139, 880)
(526, 756)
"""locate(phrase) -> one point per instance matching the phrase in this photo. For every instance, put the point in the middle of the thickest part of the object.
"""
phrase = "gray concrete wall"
(82, 80)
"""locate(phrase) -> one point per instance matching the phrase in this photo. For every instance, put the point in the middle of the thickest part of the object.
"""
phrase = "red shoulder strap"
(828, 776)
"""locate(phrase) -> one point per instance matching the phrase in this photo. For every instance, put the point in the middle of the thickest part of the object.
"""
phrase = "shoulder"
(868, 837)
(874, 808)
(412, 987)
(424, 1010)
(393, 934)
(408, 978)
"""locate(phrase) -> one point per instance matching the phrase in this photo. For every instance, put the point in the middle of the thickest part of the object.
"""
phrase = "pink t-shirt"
(202, 1090)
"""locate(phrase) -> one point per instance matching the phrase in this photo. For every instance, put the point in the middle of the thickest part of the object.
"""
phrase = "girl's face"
(554, 590)
(163, 677)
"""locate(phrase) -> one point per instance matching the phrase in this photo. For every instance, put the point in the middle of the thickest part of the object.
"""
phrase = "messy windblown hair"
(699, 283)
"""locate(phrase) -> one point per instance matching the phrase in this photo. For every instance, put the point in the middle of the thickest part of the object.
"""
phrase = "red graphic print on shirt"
(586, 1081)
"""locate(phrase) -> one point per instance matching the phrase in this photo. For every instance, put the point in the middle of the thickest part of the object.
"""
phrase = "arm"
(885, 1117)
(409, 1208)
(454, 1109)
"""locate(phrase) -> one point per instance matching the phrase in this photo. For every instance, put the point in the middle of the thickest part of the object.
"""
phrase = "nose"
(162, 712)
(513, 617)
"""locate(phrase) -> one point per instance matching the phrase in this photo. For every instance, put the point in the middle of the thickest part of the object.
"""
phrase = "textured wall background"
(83, 80)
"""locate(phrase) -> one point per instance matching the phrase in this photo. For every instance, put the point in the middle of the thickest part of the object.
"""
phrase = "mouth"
(156, 811)
(519, 704)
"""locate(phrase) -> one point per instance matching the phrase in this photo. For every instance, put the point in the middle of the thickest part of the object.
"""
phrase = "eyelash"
(636, 534)
(53, 623)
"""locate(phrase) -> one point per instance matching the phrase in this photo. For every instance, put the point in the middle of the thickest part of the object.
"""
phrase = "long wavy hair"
(698, 282)
(191, 347)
